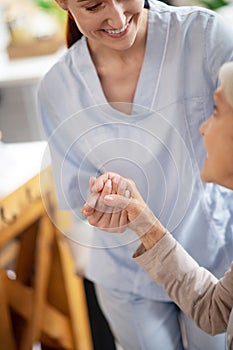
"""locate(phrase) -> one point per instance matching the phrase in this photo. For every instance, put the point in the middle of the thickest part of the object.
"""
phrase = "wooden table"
(41, 297)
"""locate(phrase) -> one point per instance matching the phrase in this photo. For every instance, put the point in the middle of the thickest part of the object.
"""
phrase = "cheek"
(137, 6)
(211, 135)
(220, 154)
(85, 25)
(209, 142)
(229, 150)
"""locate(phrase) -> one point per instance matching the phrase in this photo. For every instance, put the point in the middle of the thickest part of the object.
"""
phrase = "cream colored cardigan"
(205, 299)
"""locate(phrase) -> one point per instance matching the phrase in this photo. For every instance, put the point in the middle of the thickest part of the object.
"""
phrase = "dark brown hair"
(72, 32)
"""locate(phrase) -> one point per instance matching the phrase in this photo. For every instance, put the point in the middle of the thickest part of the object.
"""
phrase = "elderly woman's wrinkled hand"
(115, 203)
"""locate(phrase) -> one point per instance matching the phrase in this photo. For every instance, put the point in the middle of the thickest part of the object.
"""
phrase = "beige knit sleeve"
(195, 290)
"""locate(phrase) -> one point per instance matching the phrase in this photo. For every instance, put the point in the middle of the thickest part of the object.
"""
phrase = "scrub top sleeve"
(70, 178)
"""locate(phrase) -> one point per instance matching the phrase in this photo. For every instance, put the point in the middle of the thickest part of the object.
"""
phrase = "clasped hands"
(115, 204)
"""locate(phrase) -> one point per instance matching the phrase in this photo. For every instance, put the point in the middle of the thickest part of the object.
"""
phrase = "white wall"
(19, 120)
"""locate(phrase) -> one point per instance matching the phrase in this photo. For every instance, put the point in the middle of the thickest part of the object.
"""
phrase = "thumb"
(116, 201)
(91, 182)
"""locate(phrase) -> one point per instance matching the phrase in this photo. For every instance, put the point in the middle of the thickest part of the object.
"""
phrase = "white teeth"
(117, 31)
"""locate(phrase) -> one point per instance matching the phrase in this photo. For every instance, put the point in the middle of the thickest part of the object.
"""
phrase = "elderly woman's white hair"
(226, 80)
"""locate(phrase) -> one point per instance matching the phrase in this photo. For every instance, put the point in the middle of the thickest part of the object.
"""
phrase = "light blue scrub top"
(159, 145)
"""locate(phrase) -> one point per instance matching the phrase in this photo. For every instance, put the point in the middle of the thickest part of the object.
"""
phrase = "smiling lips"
(117, 31)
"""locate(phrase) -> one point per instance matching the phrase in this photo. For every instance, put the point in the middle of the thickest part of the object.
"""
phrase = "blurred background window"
(35, 27)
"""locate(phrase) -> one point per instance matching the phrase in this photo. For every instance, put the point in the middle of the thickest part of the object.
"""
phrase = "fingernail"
(116, 179)
(108, 197)
(92, 202)
(109, 183)
(127, 194)
(99, 186)
(122, 184)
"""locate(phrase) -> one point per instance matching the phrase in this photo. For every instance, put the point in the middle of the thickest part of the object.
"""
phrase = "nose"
(116, 18)
(203, 127)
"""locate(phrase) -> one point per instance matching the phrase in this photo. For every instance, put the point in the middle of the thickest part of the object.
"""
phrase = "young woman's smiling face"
(217, 133)
(113, 23)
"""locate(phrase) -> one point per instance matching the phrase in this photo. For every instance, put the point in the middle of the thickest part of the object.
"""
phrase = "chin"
(206, 176)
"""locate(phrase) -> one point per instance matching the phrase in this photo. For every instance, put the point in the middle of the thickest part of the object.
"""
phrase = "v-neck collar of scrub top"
(150, 74)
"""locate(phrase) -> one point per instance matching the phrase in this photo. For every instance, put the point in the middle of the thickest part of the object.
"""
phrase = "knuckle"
(92, 220)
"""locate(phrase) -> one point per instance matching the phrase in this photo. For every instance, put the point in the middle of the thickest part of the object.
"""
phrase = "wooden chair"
(41, 297)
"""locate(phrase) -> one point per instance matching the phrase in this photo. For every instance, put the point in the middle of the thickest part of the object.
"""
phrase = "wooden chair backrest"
(41, 297)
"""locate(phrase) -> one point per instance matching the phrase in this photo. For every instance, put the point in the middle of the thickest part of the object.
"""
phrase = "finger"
(89, 206)
(100, 220)
(116, 213)
(87, 211)
(123, 220)
(104, 222)
(115, 182)
(116, 201)
(92, 200)
(127, 194)
(101, 180)
(91, 182)
(98, 184)
(122, 187)
(133, 191)
(106, 191)
(115, 218)
(127, 188)
(104, 217)
(100, 208)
